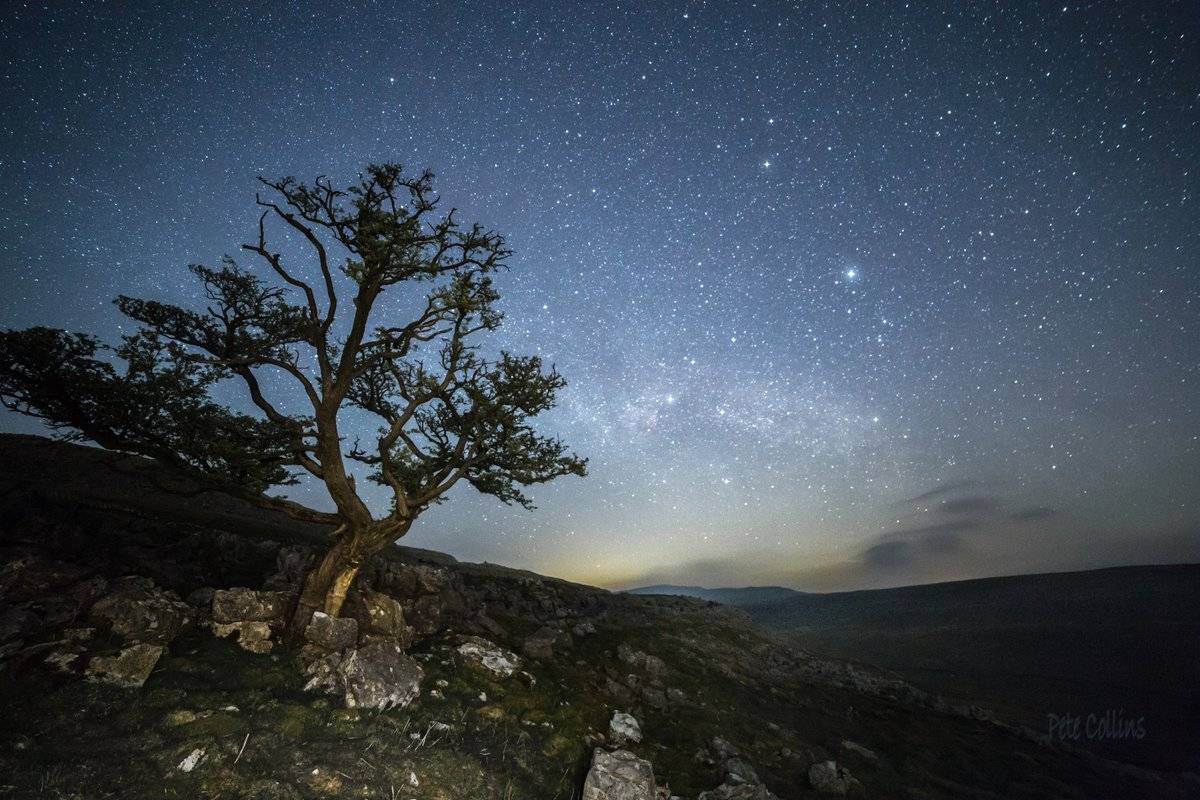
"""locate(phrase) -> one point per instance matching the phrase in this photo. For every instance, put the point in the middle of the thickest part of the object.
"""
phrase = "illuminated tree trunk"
(326, 584)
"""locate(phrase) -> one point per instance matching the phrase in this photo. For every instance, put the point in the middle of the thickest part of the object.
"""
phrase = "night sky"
(848, 295)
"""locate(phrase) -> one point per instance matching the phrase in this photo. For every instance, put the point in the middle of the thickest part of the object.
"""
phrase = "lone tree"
(447, 413)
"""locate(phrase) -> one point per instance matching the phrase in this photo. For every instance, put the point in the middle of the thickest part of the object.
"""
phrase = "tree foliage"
(445, 412)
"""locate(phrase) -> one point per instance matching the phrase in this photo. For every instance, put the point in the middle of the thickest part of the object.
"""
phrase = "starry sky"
(848, 294)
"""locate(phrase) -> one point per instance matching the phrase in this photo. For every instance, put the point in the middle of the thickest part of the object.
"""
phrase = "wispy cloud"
(940, 490)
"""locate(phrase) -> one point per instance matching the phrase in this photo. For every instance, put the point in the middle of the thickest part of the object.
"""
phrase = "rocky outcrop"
(619, 776)
(252, 636)
(240, 604)
(249, 614)
(378, 675)
(381, 614)
(138, 611)
(739, 779)
(128, 669)
(331, 633)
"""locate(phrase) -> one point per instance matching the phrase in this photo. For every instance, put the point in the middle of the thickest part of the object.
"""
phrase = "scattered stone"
(676, 695)
(619, 776)
(493, 658)
(624, 728)
(489, 625)
(252, 636)
(628, 654)
(79, 634)
(584, 629)
(322, 674)
(62, 660)
(740, 791)
(379, 676)
(829, 778)
(738, 770)
(139, 611)
(240, 604)
(130, 668)
(654, 666)
(179, 717)
(541, 644)
(332, 633)
(854, 747)
(655, 698)
(192, 760)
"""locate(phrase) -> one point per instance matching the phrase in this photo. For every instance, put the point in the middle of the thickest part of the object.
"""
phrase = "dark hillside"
(1125, 640)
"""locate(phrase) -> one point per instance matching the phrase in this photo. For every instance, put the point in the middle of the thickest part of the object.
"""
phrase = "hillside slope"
(1125, 640)
(213, 720)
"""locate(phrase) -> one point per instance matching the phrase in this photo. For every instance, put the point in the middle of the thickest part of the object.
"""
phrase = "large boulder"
(619, 776)
(332, 633)
(138, 611)
(129, 668)
(240, 604)
(492, 657)
(828, 777)
(379, 676)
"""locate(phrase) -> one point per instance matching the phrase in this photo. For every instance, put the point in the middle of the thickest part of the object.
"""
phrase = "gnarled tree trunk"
(326, 584)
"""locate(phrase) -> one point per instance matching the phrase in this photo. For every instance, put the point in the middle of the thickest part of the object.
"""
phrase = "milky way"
(848, 295)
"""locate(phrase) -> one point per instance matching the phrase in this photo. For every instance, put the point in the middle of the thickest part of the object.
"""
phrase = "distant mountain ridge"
(743, 596)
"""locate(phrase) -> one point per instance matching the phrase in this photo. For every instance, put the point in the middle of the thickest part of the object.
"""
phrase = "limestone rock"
(252, 636)
(542, 643)
(332, 633)
(130, 668)
(490, 656)
(379, 676)
(246, 605)
(655, 698)
(138, 611)
(829, 778)
(624, 728)
(619, 776)
(380, 614)
(738, 791)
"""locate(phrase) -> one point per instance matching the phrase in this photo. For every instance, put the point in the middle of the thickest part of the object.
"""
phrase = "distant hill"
(746, 595)
(1125, 639)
